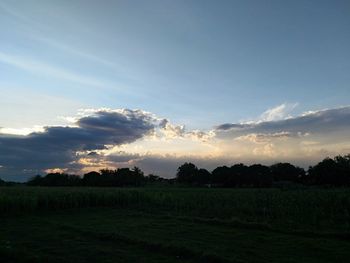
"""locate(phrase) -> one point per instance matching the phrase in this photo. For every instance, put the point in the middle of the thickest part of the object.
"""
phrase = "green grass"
(173, 225)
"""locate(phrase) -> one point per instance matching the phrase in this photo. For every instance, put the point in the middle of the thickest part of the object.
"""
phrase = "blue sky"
(196, 63)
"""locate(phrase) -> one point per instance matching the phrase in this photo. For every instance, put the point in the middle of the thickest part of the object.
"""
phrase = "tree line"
(329, 172)
(105, 178)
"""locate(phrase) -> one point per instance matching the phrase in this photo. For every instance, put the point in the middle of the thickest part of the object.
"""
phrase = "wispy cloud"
(74, 51)
(40, 33)
(38, 67)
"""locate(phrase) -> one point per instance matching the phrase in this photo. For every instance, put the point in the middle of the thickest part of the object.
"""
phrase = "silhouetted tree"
(186, 173)
(127, 177)
(238, 177)
(106, 177)
(36, 180)
(153, 178)
(287, 172)
(220, 176)
(137, 171)
(91, 179)
(2, 182)
(343, 168)
(334, 172)
(60, 179)
(259, 176)
(55, 179)
(202, 177)
(138, 177)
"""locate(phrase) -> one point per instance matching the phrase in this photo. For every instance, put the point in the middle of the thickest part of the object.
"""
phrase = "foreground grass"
(129, 235)
(173, 225)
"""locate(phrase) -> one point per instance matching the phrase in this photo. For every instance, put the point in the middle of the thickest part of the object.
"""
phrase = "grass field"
(174, 225)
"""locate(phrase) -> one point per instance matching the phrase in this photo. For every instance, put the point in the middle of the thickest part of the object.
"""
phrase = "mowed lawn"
(134, 234)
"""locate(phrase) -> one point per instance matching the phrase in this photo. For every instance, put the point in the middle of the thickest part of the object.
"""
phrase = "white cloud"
(171, 131)
(279, 112)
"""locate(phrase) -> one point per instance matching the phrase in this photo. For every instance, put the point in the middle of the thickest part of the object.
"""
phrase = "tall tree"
(186, 173)
(286, 172)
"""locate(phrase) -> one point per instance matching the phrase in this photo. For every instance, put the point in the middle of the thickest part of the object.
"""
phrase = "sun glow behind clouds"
(100, 138)
(21, 131)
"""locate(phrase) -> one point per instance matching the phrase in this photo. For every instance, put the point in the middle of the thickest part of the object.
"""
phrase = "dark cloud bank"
(57, 146)
(313, 122)
(24, 156)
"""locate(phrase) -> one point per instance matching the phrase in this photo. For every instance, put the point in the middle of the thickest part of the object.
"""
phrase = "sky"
(86, 85)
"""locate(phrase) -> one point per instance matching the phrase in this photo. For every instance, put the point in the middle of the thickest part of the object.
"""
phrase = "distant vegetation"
(106, 177)
(329, 172)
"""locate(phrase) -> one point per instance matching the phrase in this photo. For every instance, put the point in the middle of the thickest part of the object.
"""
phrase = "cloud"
(38, 67)
(308, 137)
(171, 131)
(94, 139)
(200, 135)
(58, 146)
(122, 157)
(266, 137)
(117, 127)
(316, 122)
(278, 113)
(231, 126)
(105, 138)
(166, 165)
(22, 131)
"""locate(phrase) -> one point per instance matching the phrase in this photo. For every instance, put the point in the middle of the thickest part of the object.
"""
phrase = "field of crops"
(39, 224)
(311, 209)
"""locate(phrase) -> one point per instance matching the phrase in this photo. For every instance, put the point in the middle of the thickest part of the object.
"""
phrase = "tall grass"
(309, 209)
